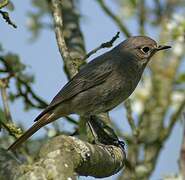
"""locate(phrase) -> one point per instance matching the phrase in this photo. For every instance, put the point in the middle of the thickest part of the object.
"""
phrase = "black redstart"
(100, 85)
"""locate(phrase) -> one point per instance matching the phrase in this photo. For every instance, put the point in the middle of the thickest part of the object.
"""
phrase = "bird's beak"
(162, 47)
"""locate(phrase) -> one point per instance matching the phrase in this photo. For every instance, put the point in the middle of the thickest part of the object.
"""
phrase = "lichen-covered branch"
(9, 166)
(7, 122)
(72, 31)
(69, 38)
(59, 30)
(66, 157)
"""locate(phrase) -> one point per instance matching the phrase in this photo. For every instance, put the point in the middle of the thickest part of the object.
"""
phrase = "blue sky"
(43, 60)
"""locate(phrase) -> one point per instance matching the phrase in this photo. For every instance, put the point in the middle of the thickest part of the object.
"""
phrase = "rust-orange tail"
(45, 119)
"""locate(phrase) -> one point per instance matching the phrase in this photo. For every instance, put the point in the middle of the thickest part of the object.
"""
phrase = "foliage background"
(43, 60)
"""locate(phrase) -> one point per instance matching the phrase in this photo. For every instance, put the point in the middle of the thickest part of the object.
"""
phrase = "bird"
(100, 85)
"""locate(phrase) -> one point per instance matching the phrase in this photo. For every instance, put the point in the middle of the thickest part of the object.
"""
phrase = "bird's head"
(142, 47)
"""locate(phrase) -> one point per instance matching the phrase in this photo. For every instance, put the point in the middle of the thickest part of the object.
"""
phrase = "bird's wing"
(93, 74)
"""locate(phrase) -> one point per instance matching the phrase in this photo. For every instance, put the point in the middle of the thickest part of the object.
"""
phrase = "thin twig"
(58, 22)
(12, 129)
(107, 44)
(71, 120)
(8, 123)
(115, 18)
(7, 19)
(28, 91)
(175, 116)
(23, 85)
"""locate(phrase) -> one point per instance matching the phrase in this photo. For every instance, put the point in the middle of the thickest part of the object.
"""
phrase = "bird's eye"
(145, 49)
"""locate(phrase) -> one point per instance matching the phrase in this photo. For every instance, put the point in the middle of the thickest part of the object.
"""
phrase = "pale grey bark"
(65, 157)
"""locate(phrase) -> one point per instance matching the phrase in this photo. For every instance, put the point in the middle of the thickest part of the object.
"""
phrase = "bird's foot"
(103, 134)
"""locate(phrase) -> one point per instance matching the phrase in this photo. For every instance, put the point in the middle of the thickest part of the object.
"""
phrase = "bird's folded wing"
(87, 78)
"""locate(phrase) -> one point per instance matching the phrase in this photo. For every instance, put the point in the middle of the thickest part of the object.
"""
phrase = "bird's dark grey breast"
(118, 86)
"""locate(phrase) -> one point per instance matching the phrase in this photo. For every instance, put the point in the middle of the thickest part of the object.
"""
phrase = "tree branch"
(25, 91)
(175, 117)
(107, 44)
(7, 19)
(5, 14)
(3, 85)
(7, 122)
(8, 165)
(58, 23)
(115, 18)
(66, 157)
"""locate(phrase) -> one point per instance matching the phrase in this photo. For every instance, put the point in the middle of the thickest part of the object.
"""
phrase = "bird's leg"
(103, 134)
(95, 129)
(95, 136)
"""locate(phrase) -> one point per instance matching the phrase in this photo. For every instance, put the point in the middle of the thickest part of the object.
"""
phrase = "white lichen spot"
(66, 165)
(31, 175)
(50, 167)
(88, 155)
(81, 148)
(69, 178)
(53, 154)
